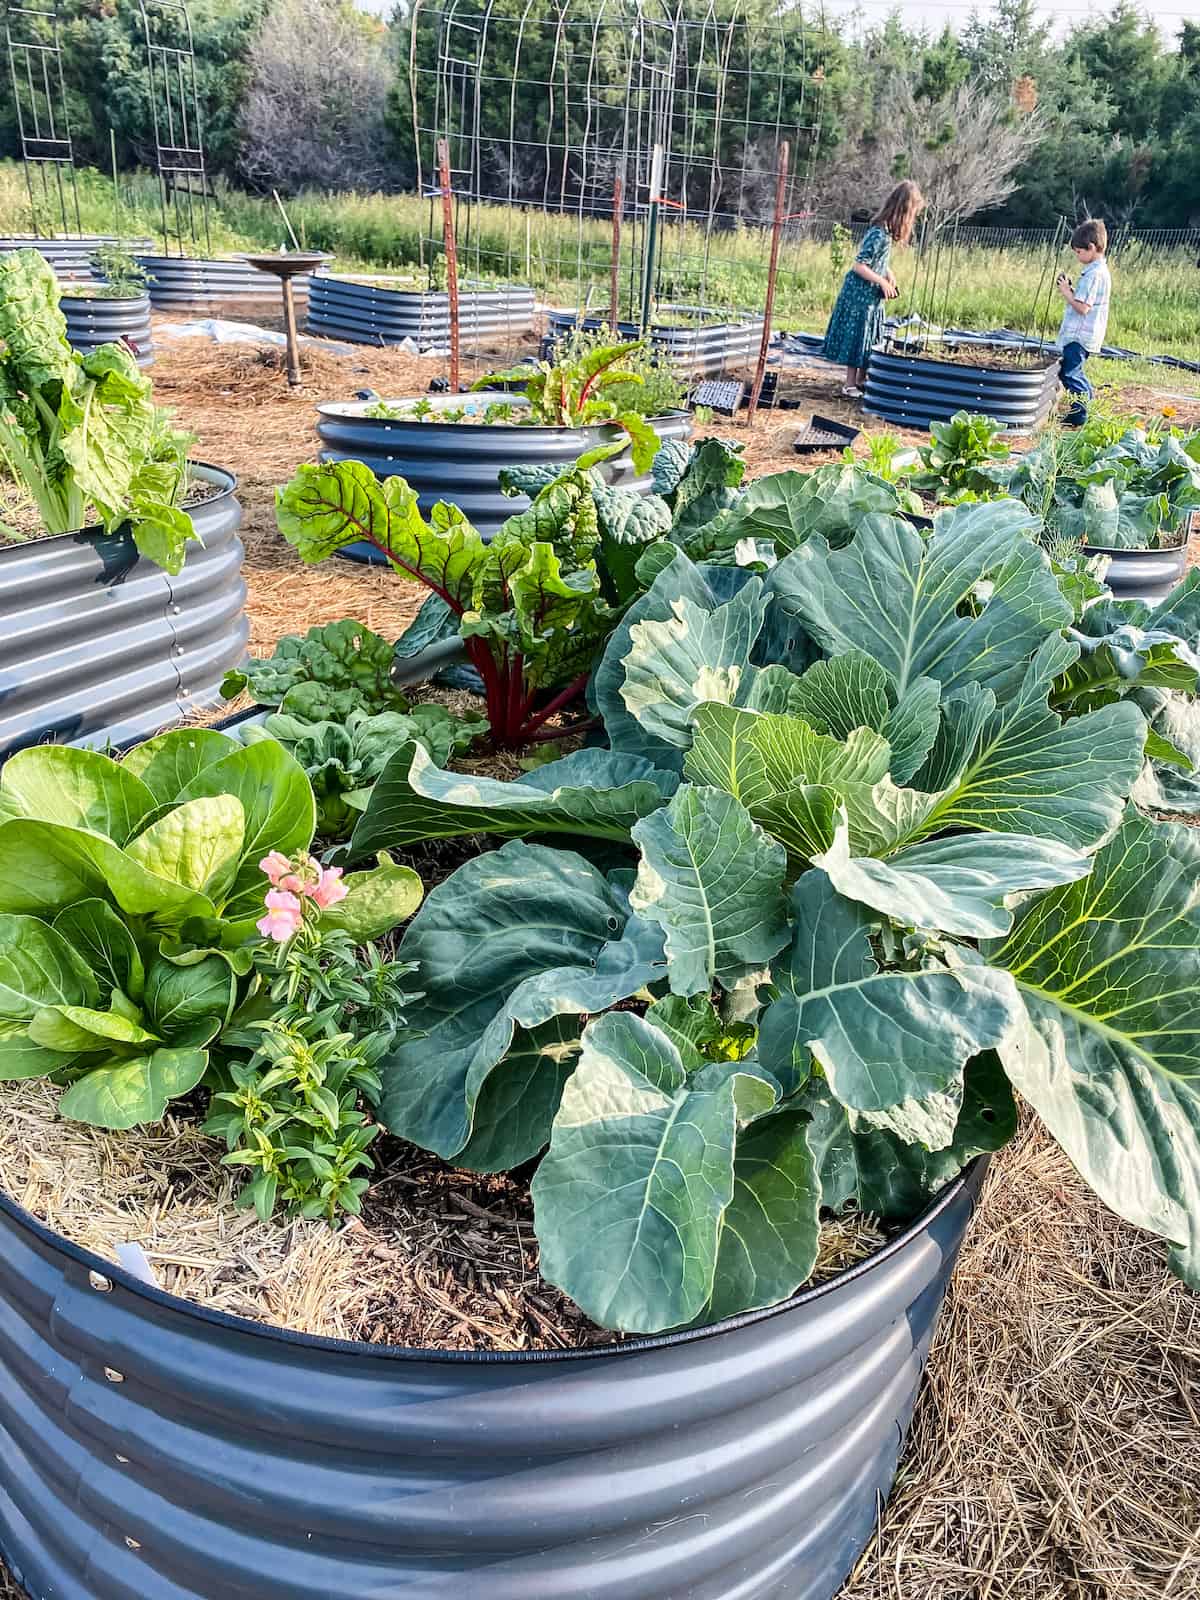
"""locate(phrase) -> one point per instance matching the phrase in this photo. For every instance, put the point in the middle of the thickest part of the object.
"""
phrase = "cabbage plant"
(129, 899)
(857, 861)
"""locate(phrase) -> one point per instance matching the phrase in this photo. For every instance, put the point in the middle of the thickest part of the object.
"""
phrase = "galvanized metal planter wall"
(699, 349)
(71, 257)
(93, 321)
(1147, 575)
(179, 283)
(915, 390)
(369, 313)
(461, 461)
(154, 1451)
(98, 645)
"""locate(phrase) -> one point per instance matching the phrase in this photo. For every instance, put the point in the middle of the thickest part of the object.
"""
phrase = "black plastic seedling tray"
(824, 433)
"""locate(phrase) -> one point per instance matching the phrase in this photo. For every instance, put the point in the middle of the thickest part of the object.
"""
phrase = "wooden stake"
(451, 249)
(614, 293)
(772, 273)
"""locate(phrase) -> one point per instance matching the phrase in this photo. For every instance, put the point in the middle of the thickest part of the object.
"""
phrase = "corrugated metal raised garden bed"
(184, 283)
(385, 311)
(93, 320)
(156, 1449)
(698, 343)
(914, 388)
(99, 645)
(462, 461)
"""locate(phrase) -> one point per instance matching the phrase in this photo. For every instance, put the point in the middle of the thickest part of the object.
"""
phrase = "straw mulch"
(1055, 1453)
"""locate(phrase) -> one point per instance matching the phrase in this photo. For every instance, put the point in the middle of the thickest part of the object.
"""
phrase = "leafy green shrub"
(81, 434)
(872, 807)
(130, 894)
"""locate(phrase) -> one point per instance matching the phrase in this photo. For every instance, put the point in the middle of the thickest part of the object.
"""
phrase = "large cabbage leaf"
(597, 794)
(669, 1194)
(1108, 1049)
(892, 1042)
(902, 598)
(524, 938)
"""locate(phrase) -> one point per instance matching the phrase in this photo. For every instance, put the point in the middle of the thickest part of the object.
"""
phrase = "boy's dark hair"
(1090, 234)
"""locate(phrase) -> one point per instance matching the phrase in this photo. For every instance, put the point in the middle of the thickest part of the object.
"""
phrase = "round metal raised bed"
(157, 1451)
(375, 313)
(461, 461)
(99, 645)
(70, 256)
(179, 283)
(696, 349)
(915, 390)
(93, 320)
(1147, 575)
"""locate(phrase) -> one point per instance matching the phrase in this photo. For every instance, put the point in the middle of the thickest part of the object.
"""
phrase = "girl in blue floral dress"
(857, 321)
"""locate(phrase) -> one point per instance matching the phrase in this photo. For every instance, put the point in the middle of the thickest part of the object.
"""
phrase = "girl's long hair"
(899, 211)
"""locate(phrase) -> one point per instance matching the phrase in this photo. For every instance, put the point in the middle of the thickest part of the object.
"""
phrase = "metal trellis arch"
(178, 130)
(34, 47)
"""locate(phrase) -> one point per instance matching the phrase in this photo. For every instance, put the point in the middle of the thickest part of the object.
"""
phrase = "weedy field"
(1156, 299)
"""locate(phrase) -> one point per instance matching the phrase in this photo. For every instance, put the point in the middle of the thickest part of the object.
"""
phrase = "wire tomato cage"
(634, 163)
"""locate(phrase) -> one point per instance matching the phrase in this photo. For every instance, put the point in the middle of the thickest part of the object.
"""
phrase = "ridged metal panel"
(150, 1450)
(461, 461)
(71, 257)
(1147, 575)
(917, 390)
(98, 645)
(93, 321)
(698, 350)
(180, 283)
(367, 313)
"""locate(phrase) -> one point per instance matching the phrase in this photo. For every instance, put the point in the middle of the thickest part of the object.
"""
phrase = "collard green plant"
(530, 605)
(865, 820)
(1135, 492)
(81, 434)
(129, 905)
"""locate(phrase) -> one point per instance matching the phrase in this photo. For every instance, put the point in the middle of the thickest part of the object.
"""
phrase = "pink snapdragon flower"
(284, 918)
(329, 888)
(282, 873)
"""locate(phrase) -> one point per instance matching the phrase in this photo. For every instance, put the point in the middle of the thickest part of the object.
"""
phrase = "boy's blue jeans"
(1075, 381)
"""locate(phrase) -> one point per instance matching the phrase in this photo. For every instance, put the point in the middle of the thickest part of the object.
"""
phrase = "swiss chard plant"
(859, 860)
(578, 389)
(130, 899)
(531, 606)
(81, 435)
